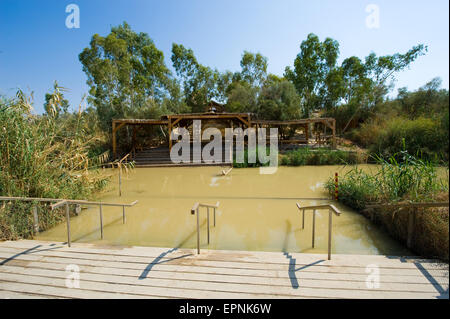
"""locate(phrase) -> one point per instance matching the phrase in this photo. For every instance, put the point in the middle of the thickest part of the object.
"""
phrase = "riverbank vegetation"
(321, 156)
(401, 178)
(128, 78)
(417, 121)
(55, 154)
(48, 156)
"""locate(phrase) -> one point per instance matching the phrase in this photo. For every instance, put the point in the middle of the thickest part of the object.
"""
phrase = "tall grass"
(44, 156)
(401, 177)
(322, 156)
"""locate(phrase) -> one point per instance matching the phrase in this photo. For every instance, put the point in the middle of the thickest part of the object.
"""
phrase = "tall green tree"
(312, 66)
(125, 70)
(323, 84)
(242, 97)
(245, 87)
(279, 101)
(200, 83)
(254, 68)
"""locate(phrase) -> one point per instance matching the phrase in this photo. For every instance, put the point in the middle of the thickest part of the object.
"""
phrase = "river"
(257, 212)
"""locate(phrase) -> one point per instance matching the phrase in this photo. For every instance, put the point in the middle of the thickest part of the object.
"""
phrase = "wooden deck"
(37, 269)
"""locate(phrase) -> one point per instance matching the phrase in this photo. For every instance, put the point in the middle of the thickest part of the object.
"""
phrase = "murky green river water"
(257, 212)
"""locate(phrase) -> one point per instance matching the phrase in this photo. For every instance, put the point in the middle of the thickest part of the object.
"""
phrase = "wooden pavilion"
(312, 127)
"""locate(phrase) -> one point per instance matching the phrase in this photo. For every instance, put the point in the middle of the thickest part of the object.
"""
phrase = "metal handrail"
(331, 209)
(195, 209)
(119, 164)
(66, 203)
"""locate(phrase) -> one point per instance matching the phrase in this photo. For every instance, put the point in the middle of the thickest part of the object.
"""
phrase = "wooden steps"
(160, 157)
(37, 269)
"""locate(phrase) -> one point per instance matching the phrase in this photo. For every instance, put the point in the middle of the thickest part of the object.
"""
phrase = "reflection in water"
(257, 212)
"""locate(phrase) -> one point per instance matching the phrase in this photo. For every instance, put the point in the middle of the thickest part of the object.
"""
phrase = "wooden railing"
(195, 210)
(411, 216)
(66, 203)
(331, 210)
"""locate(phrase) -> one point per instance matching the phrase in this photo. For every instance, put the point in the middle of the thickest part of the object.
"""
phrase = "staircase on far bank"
(160, 157)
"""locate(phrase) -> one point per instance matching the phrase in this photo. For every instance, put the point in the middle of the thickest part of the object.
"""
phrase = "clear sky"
(36, 47)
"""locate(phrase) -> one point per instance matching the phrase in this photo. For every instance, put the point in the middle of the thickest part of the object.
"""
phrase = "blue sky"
(36, 48)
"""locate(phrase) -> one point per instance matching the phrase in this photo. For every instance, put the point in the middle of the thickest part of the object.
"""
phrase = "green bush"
(306, 156)
(246, 163)
(425, 136)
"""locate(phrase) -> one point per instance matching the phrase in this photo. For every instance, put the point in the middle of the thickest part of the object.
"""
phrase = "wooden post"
(114, 139)
(133, 140)
(119, 165)
(330, 226)
(336, 180)
(334, 134)
(303, 219)
(36, 220)
(101, 222)
(307, 133)
(68, 224)
(207, 212)
(123, 214)
(313, 227)
(169, 126)
(198, 233)
(411, 224)
(214, 217)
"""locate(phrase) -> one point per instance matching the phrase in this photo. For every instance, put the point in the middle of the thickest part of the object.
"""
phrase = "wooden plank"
(230, 256)
(140, 121)
(107, 288)
(281, 278)
(161, 265)
(163, 287)
(192, 259)
(60, 292)
(214, 267)
(307, 292)
(292, 122)
(417, 205)
(273, 257)
(5, 294)
(222, 283)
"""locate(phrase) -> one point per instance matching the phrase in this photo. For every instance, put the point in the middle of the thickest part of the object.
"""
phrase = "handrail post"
(303, 219)
(68, 224)
(101, 222)
(123, 214)
(313, 227)
(198, 233)
(36, 220)
(120, 179)
(330, 226)
(207, 218)
(411, 222)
